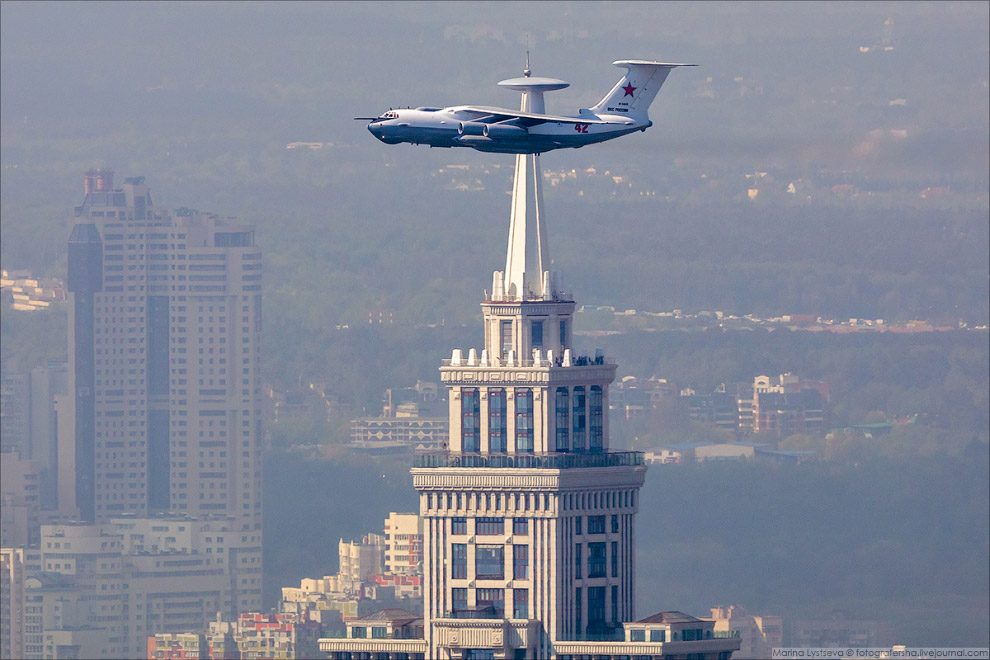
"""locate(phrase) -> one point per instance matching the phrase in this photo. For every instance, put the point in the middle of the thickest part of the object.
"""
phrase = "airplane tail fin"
(633, 94)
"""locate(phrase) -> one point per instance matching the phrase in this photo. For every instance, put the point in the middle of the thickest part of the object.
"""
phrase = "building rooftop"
(548, 461)
(396, 615)
(669, 617)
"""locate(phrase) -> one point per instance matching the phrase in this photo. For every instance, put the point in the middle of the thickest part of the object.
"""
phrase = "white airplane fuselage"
(531, 130)
(459, 126)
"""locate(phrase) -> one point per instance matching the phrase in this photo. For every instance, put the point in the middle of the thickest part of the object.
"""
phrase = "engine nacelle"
(471, 128)
(504, 132)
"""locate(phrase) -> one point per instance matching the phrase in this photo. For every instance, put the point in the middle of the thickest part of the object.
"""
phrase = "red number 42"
(581, 128)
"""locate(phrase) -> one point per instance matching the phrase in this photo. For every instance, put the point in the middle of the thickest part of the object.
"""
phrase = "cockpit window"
(391, 114)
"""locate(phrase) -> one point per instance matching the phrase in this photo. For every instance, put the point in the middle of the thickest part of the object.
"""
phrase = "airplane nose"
(375, 128)
(386, 132)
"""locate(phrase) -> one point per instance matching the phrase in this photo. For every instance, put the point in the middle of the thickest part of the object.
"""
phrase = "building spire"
(527, 260)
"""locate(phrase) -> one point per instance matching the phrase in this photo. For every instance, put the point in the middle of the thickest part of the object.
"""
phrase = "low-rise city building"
(23, 292)
(758, 635)
(839, 630)
(20, 501)
(403, 544)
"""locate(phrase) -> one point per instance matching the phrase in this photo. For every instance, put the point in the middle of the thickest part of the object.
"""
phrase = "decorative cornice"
(602, 374)
(536, 308)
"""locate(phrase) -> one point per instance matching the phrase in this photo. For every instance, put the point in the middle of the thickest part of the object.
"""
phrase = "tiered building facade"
(528, 516)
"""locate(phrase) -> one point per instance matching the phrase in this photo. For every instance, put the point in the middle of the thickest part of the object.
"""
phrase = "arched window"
(496, 421)
(470, 417)
(563, 422)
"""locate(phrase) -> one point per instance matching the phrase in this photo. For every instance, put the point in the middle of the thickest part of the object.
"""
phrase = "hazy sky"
(202, 97)
(64, 59)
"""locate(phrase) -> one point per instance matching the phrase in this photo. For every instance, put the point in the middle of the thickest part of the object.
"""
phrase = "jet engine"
(471, 128)
(504, 132)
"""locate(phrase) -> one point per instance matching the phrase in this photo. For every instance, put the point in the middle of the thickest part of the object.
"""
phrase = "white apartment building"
(403, 544)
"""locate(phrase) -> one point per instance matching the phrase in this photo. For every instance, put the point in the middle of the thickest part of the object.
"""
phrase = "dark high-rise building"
(85, 281)
(164, 341)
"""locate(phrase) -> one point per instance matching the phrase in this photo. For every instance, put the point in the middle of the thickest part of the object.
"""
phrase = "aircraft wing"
(495, 115)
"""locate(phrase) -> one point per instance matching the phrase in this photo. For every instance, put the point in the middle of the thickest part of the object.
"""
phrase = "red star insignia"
(628, 89)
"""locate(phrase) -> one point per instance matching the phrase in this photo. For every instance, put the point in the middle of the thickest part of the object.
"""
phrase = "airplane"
(530, 130)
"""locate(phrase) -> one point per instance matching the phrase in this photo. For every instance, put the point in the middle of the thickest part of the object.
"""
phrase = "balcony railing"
(558, 361)
(606, 634)
(490, 612)
(557, 461)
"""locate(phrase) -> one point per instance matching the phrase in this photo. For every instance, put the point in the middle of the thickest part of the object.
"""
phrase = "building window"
(491, 598)
(524, 420)
(489, 562)
(470, 416)
(637, 636)
(615, 524)
(379, 632)
(578, 419)
(563, 335)
(615, 604)
(596, 524)
(596, 560)
(458, 567)
(520, 562)
(596, 609)
(597, 433)
(520, 526)
(577, 561)
(615, 559)
(489, 526)
(520, 603)
(563, 423)
(577, 610)
(537, 334)
(658, 635)
(577, 525)
(458, 600)
(359, 632)
(506, 327)
(458, 526)
(496, 421)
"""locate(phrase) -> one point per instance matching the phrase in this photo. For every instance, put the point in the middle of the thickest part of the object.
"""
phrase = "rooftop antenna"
(526, 71)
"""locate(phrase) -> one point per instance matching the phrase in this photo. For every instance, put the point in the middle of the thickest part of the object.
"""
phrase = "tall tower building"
(527, 514)
(164, 346)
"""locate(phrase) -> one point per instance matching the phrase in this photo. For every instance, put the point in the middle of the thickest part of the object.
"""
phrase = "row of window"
(572, 421)
(491, 501)
(596, 560)
(489, 562)
(574, 430)
(599, 500)
(536, 335)
(471, 420)
(489, 598)
(489, 526)
(596, 608)
(596, 524)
